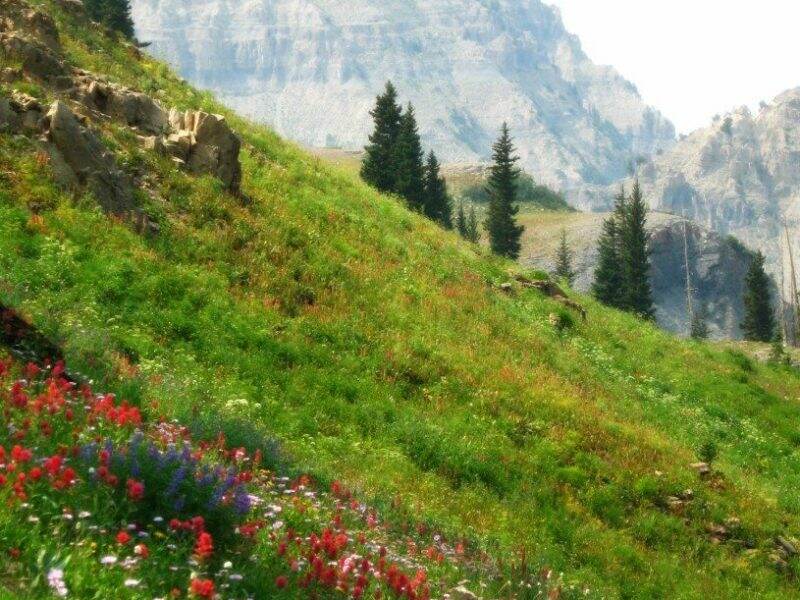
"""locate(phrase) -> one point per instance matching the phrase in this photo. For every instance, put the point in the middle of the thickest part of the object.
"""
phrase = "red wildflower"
(281, 582)
(135, 490)
(53, 464)
(123, 537)
(20, 454)
(204, 547)
(141, 551)
(31, 370)
(202, 588)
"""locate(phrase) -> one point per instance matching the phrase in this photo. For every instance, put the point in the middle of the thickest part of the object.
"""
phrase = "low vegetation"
(347, 338)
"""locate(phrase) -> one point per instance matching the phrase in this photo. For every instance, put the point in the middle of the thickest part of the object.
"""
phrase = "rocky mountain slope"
(740, 176)
(717, 265)
(253, 311)
(312, 68)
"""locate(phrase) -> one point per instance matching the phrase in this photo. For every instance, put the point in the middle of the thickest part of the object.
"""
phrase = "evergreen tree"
(408, 157)
(634, 239)
(378, 168)
(461, 221)
(473, 233)
(759, 319)
(114, 14)
(608, 279)
(699, 326)
(564, 257)
(437, 202)
(504, 233)
(778, 354)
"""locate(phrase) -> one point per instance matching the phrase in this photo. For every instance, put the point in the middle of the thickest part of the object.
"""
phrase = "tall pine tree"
(564, 257)
(437, 201)
(461, 221)
(759, 320)
(408, 156)
(635, 241)
(473, 233)
(608, 279)
(114, 14)
(379, 168)
(501, 224)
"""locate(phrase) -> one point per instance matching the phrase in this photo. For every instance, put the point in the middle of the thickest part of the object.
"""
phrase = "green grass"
(377, 350)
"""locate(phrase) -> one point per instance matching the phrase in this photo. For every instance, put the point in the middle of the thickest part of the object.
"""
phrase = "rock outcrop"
(206, 144)
(740, 176)
(312, 68)
(130, 108)
(717, 267)
(200, 142)
(80, 157)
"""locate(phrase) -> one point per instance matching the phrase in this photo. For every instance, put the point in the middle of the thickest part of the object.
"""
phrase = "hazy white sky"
(692, 59)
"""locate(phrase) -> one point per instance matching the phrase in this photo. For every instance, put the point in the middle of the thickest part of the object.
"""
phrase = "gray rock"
(717, 264)
(91, 164)
(9, 119)
(739, 176)
(703, 469)
(462, 593)
(133, 109)
(786, 546)
(38, 60)
(207, 145)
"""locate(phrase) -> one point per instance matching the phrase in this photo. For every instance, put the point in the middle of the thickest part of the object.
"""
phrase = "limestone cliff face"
(312, 68)
(741, 176)
(717, 267)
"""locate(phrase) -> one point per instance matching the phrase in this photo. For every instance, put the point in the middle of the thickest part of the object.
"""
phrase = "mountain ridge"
(312, 72)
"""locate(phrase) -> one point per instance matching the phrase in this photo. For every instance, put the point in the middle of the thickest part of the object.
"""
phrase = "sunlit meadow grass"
(371, 347)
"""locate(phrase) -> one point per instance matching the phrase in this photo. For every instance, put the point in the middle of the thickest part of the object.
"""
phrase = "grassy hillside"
(353, 340)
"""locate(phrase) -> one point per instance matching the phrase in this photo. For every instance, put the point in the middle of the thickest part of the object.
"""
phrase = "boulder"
(133, 109)
(462, 593)
(10, 75)
(9, 119)
(207, 144)
(38, 60)
(785, 546)
(20, 112)
(42, 27)
(179, 145)
(16, 16)
(91, 163)
(216, 150)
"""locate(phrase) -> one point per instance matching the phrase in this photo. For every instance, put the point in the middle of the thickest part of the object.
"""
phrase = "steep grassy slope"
(377, 349)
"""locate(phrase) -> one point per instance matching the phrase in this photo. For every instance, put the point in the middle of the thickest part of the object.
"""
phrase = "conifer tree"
(608, 279)
(473, 233)
(699, 326)
(759, 320)
(634, 238)
(114, 14)
(437, 202)
(504, 233)
(408, 157)
(378, 168)
(564, 257)
(461, 221)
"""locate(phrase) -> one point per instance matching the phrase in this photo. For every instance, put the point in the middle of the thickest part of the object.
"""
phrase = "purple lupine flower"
(178, 476)
(241, 500)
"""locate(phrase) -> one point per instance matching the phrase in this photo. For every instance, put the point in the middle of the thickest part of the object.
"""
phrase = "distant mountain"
(739, 176)
(312, 68)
